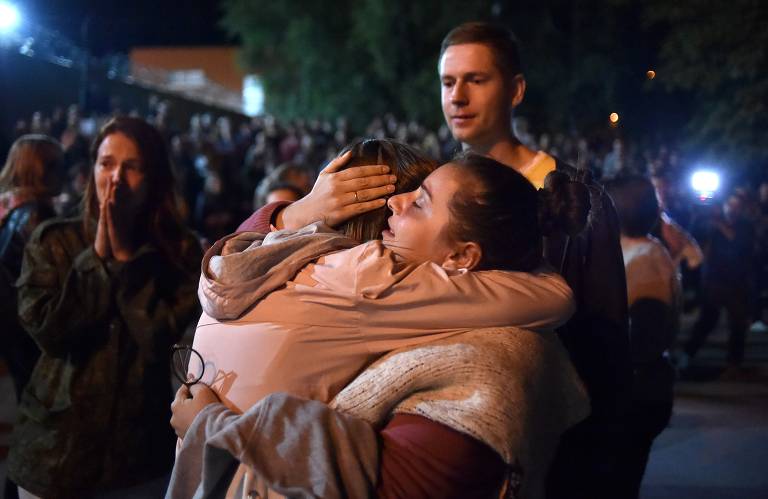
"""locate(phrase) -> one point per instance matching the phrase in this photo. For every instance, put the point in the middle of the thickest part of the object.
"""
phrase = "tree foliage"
(717, 52)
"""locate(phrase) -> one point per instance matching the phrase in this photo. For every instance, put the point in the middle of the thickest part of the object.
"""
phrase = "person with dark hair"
(29, 180)
(276, 192)
(482, 83)
(319, 323)
(654, 294)
(104, 296)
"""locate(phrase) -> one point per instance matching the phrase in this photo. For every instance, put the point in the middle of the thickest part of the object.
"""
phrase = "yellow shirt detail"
(538, 168)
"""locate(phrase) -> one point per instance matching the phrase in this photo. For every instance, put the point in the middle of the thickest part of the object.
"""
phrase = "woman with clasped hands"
(105, 296)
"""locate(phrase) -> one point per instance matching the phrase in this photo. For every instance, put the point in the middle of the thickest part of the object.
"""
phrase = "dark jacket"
(597, 336)
(16, 226)
(95, 413)
(597, 339)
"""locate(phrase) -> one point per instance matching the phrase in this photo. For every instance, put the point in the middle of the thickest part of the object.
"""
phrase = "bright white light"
(705, 182)
(253, 95)
(9, 17)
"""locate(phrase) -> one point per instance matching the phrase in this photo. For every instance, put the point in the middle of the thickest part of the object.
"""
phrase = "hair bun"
(564, 205)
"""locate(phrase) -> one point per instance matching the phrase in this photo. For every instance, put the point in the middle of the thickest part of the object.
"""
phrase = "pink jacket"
(314, 332)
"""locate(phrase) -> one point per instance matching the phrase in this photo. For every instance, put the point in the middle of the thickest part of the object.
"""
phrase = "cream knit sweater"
(513, 389)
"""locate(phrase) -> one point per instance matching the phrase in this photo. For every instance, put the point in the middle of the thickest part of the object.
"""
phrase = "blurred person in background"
(274, 191)
(654, 297)
(259, 161)
(674, 198)
(728, 239)
(288, 182)
(520, 128)
(29, 180)
(187, 177)
(216, 206)
(615, 161)
(759, 325)
(73, 141)
(681, 244)
(104, 296)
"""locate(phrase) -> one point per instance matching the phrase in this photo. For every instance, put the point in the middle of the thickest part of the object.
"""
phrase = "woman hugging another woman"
(305, 312)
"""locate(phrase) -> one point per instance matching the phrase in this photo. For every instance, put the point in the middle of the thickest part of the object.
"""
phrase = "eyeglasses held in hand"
(187, 364)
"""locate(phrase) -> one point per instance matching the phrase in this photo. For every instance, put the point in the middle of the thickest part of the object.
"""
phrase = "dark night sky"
(118, 26)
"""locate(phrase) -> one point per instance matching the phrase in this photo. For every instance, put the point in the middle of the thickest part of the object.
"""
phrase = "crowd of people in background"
(230, 167)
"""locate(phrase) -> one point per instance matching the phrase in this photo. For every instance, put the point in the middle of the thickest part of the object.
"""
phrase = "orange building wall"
(218, 63)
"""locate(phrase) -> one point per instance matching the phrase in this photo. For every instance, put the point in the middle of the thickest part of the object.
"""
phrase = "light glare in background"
(253, 95)
(705, 183)
(10, 18)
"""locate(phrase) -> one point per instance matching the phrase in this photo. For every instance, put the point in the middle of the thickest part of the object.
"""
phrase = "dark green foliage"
(718, 52)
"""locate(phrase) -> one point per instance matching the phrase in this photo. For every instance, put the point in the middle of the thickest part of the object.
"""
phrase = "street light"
(10, 18)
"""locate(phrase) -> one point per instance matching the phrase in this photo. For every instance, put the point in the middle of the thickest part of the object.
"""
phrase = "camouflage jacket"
(95, 413)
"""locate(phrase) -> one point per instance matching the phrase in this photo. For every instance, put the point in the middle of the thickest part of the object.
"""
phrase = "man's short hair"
(500, 40)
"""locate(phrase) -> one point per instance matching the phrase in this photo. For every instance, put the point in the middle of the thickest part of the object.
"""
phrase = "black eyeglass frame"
(180, 356)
